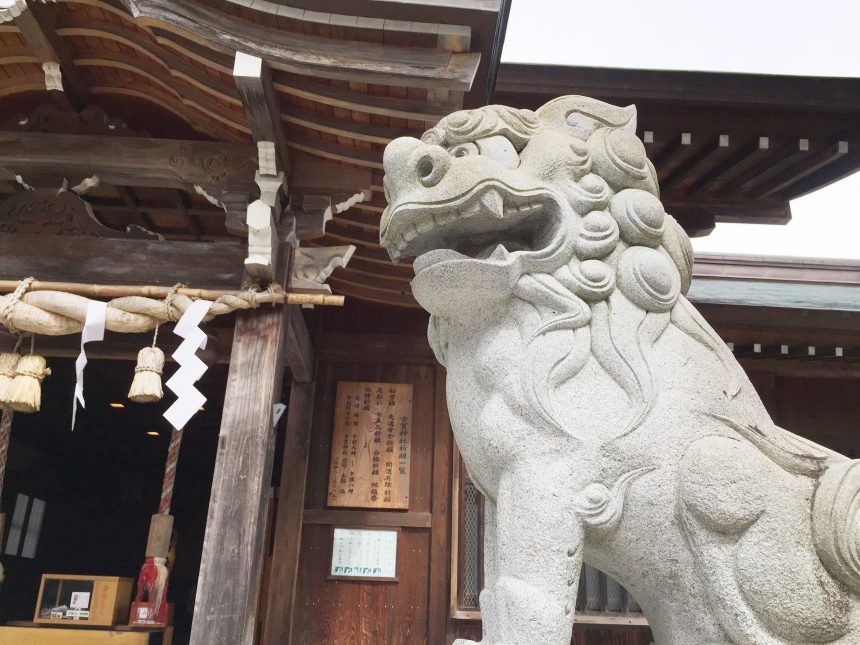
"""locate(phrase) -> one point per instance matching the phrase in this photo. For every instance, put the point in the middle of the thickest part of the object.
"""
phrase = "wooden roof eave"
(311, 55)
(712, 88)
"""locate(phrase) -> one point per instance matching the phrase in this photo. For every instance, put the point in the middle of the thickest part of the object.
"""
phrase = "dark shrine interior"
(102, 481)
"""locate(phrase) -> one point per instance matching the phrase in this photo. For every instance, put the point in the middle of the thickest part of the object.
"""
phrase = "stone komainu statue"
(594, 407)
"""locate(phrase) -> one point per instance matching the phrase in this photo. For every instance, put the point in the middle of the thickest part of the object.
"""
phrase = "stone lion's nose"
(408, 160)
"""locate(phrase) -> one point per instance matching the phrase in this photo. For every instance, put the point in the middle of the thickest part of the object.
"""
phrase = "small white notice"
(364, 553)
(80, 600)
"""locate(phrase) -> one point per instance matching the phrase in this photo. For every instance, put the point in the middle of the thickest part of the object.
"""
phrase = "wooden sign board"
(371, 445)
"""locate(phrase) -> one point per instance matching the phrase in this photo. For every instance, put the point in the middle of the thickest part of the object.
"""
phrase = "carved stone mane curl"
(466, 125)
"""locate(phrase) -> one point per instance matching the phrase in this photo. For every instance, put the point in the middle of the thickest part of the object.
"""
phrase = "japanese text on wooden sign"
(371, 445)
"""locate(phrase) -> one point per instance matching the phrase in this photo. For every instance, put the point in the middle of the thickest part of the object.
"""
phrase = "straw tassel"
(25, 392)
(8, 362)
(146, 386)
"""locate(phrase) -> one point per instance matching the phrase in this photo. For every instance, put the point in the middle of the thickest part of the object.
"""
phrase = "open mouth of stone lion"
(491, 221)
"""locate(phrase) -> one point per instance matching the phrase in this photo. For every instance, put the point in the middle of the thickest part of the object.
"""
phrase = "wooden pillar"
(228, 587)
(277, 628)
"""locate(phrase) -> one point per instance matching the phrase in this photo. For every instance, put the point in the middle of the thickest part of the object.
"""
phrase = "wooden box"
(83, 600)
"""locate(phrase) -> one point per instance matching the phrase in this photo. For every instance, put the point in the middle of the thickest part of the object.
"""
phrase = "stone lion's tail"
(836, 521)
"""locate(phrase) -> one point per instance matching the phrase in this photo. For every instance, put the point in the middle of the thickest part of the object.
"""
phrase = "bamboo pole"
(276, 296)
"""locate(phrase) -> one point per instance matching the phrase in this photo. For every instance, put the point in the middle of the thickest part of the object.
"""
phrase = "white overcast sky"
(817, 38)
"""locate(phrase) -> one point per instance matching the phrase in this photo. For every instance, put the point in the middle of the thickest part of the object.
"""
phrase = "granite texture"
(594, 407)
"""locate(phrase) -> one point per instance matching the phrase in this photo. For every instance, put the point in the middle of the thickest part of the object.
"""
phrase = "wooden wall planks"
(336, 611)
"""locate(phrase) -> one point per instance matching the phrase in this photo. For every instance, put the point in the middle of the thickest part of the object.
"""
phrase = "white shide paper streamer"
(191, 368)
(94, 330)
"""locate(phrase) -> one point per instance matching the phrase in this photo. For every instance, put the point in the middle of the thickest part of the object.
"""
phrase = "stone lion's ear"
(581, 116)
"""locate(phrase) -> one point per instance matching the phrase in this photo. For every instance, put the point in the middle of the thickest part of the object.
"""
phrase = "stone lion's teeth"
(492, 202)
(410, 233)
(499, 253)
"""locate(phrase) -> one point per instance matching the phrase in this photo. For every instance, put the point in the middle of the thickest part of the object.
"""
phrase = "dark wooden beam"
(136, 161)
(766, 211)
(97, 260)
(714, 88)
(415, 520)
(391, 106)
(300, 351)
(311, 175)
(740, 161)
(819, 159)
(373, 132)
(824, 368)
(336, 151)
(440, 544)
(277, 625)
(717, 147)
(787, 155)
(187, 216)
(37, 28)
(673, 154)
(130, 200)
(262, 107)
(228, 588)
(312, 55)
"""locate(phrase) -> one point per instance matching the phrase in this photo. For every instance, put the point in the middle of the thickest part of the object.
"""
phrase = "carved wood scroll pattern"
(48, 212)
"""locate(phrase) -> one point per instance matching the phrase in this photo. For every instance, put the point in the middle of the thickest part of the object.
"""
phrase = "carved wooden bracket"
(313, 266)
(262, 219)
(311, 218)
(262, 241)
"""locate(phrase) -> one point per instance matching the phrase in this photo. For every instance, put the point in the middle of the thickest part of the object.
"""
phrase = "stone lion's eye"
(499, 149)
(465, 149)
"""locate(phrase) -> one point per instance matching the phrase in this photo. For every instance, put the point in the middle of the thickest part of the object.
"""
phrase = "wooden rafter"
(130, 201)
(37, 28)
(262, 107)
(187, 217)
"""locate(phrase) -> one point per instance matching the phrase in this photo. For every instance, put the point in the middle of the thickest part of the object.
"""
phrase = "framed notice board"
(371, 445)
(364, 554)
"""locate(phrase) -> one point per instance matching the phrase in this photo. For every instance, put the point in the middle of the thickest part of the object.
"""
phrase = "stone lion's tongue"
(430, 258)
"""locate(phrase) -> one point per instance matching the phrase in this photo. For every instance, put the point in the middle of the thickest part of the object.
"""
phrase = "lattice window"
(468, 562)
(601, 598)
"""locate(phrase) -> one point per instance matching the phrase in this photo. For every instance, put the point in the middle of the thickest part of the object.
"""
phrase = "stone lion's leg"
(538, 557)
